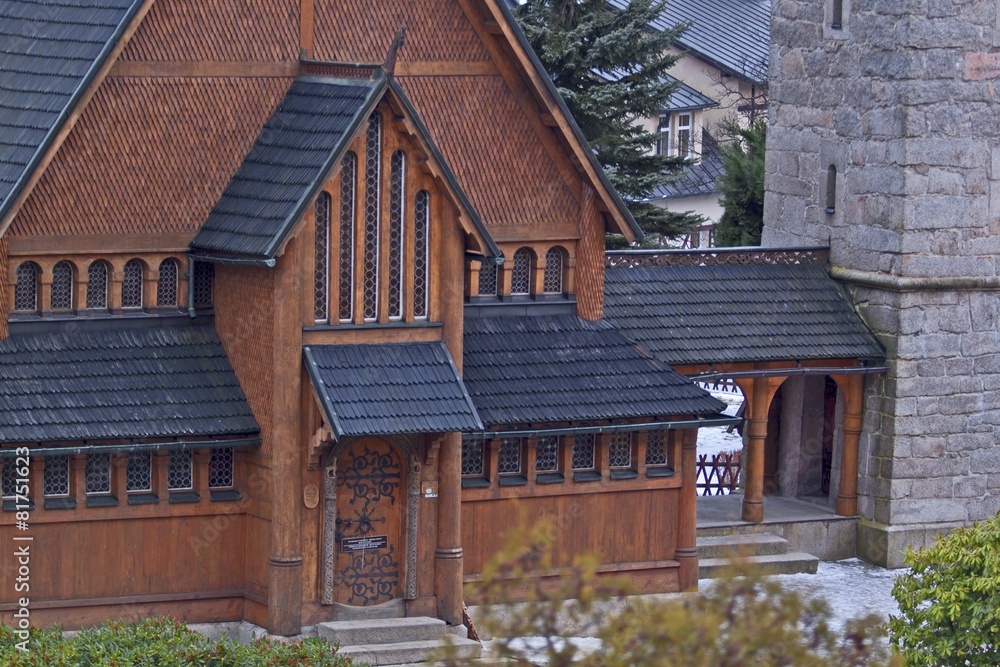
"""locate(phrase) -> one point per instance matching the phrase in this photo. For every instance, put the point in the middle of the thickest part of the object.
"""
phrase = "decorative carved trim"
(718, 257)
(412, 518)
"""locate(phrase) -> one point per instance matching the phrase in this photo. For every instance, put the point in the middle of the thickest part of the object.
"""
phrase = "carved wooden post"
(753, 498)
(847, 494)
(687, 528)
(448, 555)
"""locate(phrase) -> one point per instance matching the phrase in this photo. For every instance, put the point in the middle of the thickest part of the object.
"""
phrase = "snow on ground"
(716, 440)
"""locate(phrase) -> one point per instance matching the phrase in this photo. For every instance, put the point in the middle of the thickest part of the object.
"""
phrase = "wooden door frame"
(408, 448)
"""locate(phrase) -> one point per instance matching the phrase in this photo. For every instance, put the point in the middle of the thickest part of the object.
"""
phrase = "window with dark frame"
(583, 452)
(55, 478)
(547, 455)
(831, 190)
(373, 181)
(510, 461)
(555, 271)
(26, 287)
(8, 479)
(166, 284)
(62, 286)
(139, 472)
(488, 282)
(97, 285)
(348, 176)
(321, 259)
(204, 279)
(220, 469)
(837, 15)
(132, 284)
(180, 470)
(620, 451)
(98, 475)
(520, 275)
(421, 254)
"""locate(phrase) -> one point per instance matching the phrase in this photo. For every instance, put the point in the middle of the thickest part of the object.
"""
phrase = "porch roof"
(388, 389)
(562, 368)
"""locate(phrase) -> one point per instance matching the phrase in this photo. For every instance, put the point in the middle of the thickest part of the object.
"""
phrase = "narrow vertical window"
(510, 456)
(180, 476)
(547, 455)
(663, 140)
(26, 288)
(321, 277)
(520, 277)
(204, 277)
(8, 479)
(684, 146)
(348, 176)
(837, 18)
(220, 469)
(473, 458)
(421, 260)
(139, 472)
(397, 189)
(488, 283)
(555, 270)
(583, 452)
(831, 189)
(620, 450)
(98, 474)
(132, 284)
(166, 284)
(55, 479)
(62, 286)
(97, 285)
(656, 448)
(373, 157)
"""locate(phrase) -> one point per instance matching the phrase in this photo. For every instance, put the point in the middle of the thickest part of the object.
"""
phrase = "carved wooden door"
(369, 549)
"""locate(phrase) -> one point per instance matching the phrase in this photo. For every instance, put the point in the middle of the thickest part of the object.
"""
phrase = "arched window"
(166, 285)
(421, 259)
(397, 189)
(204, 276)
(26, 288)
(837, 18)
(321, 277)
(520, 276)
(132, 284)
(97, 285)
(831, 189)
(488, 283)
(348, 177)
(62, 286)
(555, 271)
(373, 157)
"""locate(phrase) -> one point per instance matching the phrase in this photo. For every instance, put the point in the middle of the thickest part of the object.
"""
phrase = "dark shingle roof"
(734, 35)
(686, 98)
(390, 389)
(91, 382)
(292, 155)
(697, 179)
(545, 369)
(50, 51)
(732, 313)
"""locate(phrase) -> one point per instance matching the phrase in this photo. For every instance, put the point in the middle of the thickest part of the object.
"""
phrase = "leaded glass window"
(220, 469)
(421, 259)
(139, 472)
(583, 452)
(204, 276)
(555, 261)
(397, 190)
(620, 450)
(488, 283)
(321, 276)
(656, 448)
(510, 456)
(520, 276)
(98, 474)
(97, 285)
(62, 286)
(8, 478)
(547, 455)
(55, 479)
(26, 288)
(348, 176)
(132, 284)
(373, 157)
(166, 284)
(473, 458)
(180, 475)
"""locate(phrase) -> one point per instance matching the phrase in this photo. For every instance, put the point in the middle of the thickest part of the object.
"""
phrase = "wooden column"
(753, 493)
(687, 525)
(448, 555)
(847, 494)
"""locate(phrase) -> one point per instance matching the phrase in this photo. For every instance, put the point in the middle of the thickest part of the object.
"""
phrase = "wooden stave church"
(231, 360)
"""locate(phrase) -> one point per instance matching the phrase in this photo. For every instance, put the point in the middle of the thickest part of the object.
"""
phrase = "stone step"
(386, 631)
(406, 653)
(725, 546)
(789, 563)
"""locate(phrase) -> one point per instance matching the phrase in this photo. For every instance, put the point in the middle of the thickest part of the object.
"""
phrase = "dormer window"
(62, 286)
(26, 288)
(166, 284)
(97, 286)
(520, 275)
(132, 284)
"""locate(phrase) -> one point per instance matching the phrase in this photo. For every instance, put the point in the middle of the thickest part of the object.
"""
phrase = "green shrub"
(158, 642)
(949, 602)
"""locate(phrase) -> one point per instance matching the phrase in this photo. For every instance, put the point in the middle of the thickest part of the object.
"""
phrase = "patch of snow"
(716, 440)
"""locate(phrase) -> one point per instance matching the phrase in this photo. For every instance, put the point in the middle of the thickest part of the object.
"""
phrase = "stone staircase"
(399, 641)
(769, 553)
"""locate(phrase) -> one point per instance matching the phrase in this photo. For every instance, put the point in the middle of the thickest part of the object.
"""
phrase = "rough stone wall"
(902, 102)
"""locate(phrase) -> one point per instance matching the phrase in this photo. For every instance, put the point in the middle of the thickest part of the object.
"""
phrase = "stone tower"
(885, 142)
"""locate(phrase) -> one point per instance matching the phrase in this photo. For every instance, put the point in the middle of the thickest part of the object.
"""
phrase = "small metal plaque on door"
(369, 543)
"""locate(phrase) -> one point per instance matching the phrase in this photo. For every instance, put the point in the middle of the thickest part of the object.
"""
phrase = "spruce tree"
(742, 186)
(610, 68)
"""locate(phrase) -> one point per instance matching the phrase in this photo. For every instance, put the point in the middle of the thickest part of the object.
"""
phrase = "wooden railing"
(718, 474)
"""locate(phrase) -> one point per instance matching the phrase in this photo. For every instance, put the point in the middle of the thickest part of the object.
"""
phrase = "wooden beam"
(492, 27)
(548, 120)
(207, 69)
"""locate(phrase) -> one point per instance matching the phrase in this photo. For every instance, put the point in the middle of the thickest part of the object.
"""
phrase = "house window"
(321, 278)
(509, 462)
(583, 452)
(488, 283)
(831, 190)
(555, 270)
(421, 258)
(397, 186)
(348, 176)
(180, 470)
(26, 288)
(620, 451)
(139, 472)
(8, 479)
(656, 448)
(55, 479)
(473, 458)
(166, 284)
(98, 475)
(547, 455)
(684, 145)
(204, 277)
(132, 284)
(220, 469)
(62, 286)
(520, 276)
(97, 286)
(373, 157)
(663, 142)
